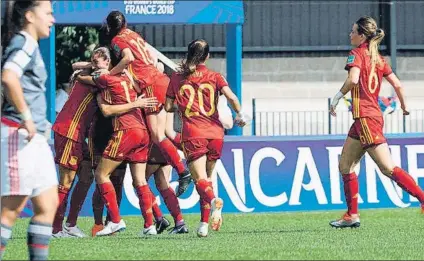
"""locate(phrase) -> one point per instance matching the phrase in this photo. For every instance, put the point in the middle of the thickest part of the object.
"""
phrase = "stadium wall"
(274, 174)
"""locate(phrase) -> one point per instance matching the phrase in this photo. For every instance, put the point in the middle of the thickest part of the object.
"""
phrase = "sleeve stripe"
(21, 58)
(13, 67)
(29, 47)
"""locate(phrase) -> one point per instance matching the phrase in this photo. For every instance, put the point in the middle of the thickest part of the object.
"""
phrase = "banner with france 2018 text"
(273, 174)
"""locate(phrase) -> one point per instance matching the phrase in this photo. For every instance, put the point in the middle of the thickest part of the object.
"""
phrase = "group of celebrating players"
(126, 114)
(137, 96)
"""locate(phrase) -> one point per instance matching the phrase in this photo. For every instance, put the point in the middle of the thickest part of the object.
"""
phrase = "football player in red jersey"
(134, 55)
(70, 131)
(366, 69)
(158, 166)
(196, 90)
(130, 142)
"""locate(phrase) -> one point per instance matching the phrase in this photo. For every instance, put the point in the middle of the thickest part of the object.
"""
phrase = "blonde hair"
(368, 27)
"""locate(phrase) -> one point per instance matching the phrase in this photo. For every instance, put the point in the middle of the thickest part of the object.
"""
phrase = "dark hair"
(197, 53)
(15, 20)
(115, 23)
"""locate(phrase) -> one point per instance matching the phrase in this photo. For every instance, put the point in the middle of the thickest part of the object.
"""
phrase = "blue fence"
(273, 122)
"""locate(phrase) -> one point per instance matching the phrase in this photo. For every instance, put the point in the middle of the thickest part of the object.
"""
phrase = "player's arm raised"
(81, 65)
(352, 80)
(127, 58)
(109, 110)
(86, 79)
(395, 82)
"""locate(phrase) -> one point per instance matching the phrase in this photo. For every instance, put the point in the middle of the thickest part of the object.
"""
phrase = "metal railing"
(320, 122)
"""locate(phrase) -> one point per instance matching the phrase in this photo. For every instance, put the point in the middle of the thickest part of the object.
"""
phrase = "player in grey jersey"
(27, 165)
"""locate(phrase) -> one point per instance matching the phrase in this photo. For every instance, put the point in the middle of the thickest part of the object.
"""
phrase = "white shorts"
(27, 167)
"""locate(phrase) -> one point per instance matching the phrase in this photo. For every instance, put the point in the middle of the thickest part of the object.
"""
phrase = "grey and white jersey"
(23, 56)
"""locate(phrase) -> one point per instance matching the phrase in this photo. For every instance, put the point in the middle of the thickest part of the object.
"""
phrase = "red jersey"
(197, 100)
(365, 94)
(142, 68)
(118, 90)
(74, 120)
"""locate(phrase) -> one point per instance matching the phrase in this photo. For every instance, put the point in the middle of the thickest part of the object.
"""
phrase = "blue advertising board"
(157, 12)
(295, 174)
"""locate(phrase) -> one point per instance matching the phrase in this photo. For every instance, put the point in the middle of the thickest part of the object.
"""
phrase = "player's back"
(142, 68)
(119, 90)
(365, 94)
(132, 40)
(74, 120)
(197, 100)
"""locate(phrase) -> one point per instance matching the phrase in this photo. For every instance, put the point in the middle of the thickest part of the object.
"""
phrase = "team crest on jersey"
(73, 160)
(350, 59)
(116, 48)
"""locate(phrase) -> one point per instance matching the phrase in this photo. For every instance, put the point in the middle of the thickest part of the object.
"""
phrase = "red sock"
(170, 153)
(61, 209)
(205, 190)
(98, 206)
(205, 211)
(177, 141)
(172, 204)
(117, 182)
(407, 183)
(145, 201)
(157, 213)
(108, 194)
(77, 200)
(351, 190)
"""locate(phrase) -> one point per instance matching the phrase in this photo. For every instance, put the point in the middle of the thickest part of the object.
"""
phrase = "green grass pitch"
(385, 234)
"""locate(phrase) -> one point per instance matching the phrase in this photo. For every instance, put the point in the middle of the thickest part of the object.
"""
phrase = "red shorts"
(157, 89)
(156, 156)
(131, 145)
(69, 153)
(196, 148)
(369, 131)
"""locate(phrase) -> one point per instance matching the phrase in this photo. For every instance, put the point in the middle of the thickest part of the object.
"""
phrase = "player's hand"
(29, 126)
(405, 111)
(142, 102)
(333, 111)
(241, 119)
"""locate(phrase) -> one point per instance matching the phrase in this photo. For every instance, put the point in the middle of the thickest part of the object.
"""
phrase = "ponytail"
(188, 67)
(374, 43)
(198, 51)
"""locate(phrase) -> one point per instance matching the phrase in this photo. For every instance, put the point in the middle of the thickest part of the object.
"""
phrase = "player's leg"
(68, 156)
(156, 123)
(382, 157)
(162, 177)
(174, 136)
(79, 193)
(351, 155)
(11, 207)
(145, 196)
(44, 199)
(107, 191)
(380, 153)
(214, 153)
(11, 203)
(96, 200)
(40, 226)
(117, 179)
(161, 222)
